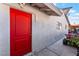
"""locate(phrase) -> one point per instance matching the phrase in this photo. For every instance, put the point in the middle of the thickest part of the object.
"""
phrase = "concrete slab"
(46, 52)
(63, 50)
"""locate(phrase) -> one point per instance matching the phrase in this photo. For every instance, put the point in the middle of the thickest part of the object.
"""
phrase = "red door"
(20, 32)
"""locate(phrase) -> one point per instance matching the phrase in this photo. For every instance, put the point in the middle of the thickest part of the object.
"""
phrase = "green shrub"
(74, 41)
(77, 43)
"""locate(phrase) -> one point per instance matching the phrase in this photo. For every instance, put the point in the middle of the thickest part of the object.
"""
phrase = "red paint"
(20, 32)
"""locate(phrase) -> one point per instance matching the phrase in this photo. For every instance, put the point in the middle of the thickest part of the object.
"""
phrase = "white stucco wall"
(44, 30)
(4, 30)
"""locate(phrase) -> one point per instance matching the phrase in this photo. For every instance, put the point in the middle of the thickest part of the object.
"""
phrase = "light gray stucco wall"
(4, 30)
(45, 31)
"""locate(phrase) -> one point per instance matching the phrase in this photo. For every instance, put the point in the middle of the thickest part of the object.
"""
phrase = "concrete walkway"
(57, 49)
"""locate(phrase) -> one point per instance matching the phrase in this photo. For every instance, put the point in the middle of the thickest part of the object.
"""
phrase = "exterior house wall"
(4, 30)
(44, 28)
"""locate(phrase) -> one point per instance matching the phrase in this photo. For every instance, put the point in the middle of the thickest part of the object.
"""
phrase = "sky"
(73, 14)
